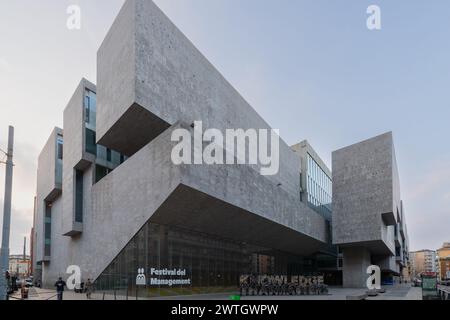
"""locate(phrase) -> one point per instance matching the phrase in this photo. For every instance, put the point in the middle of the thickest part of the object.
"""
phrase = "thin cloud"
(5, 66)
(434, 180)
(428, 201)
(21, 223)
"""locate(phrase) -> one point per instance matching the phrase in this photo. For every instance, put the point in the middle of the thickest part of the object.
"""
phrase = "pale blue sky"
(310, 67)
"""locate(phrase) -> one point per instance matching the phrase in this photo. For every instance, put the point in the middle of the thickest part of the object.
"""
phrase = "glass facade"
(319, 198)
(319, 188)
(203, 263)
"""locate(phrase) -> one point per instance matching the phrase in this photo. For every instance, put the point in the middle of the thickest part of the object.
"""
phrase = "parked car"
(445, 283)
(28, 283)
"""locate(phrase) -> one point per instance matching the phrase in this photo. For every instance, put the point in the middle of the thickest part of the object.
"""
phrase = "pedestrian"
(60, 284)
(8, 283)
(89, 289)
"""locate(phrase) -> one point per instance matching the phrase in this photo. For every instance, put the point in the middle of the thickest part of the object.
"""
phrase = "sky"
(310, 68)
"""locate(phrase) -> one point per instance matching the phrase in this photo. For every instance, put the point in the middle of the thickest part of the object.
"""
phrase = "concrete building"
(368, 216)
(423, 261)
(111, 200)
(443, 262)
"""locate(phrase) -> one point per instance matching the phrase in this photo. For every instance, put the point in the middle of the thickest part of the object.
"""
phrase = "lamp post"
(4, 251)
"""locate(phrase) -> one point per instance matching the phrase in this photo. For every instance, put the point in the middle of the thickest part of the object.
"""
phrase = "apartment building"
(443, 261)
(423, 261)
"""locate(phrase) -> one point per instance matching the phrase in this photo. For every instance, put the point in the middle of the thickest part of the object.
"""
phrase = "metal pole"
(24, 249)
(4, 251)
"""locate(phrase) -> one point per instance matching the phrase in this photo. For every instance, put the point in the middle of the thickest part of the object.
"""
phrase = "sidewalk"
(398, 292)
(46, 294)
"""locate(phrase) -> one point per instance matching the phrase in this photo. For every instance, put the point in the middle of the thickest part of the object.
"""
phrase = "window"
(101, 172)
(48, 229)
(59, 158)
(91, 146)
(318, 188)
(301, 191)
(108, 155)
(59, 148)
(78, 196)
(87, 104)
(90, 106)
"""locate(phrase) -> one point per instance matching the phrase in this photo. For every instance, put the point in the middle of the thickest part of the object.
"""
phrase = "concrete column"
(356, 260)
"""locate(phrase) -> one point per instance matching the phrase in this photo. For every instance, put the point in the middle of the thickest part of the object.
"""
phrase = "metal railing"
(444, 292)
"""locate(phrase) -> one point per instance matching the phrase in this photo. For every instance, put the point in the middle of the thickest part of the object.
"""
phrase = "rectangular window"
(91, 146)
(108, 155)
(301, 191)
(87, 103)
(78, 196)
(318, 188)
(59, 148)
(90, 106)
(101, 172)
(48, 229)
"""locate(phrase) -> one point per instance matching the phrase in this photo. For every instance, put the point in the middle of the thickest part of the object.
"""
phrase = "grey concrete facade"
(356, 260)
(49, 188)
(156, 78)
(148, 186)
(367, 208)
(152, 81)
(75, 155)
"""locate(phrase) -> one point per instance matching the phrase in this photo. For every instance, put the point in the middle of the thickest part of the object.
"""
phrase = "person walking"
(89, 289)
(60, 285)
